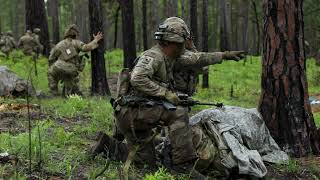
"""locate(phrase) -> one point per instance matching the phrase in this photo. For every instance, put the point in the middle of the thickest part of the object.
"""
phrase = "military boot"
(99, 146)
(189, 170)
(110, 147)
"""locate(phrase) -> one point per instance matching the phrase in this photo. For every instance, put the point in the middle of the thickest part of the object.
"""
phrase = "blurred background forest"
(232, 24)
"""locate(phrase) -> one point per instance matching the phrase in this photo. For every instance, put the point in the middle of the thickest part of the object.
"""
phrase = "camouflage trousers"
(66, 72)
(136, 124)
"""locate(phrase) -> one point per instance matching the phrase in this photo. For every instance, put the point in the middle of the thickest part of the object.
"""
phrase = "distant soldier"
(64, 61)
(2, 43)
(36, 35)
(27, 43)
(9, 43)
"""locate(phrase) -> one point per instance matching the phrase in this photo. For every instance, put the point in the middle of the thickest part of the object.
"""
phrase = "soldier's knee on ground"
(181, 142)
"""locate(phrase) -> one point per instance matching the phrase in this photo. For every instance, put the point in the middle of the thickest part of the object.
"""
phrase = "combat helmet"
(173, 29)
(72, 31)
(9, 33)
(36, 30)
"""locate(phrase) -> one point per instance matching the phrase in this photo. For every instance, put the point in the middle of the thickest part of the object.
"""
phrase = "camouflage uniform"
(152, 79)
(189, 65)
(64, 62)
(9, 43)
(192, 63)
(27, 43)
(36, 36)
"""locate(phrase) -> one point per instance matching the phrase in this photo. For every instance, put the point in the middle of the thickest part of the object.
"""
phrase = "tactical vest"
(67, 51)
(123, 84)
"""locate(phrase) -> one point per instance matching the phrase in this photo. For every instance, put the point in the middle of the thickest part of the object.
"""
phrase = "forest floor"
(64, 128)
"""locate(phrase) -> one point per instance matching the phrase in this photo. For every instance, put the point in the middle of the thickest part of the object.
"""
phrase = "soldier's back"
(27, 43)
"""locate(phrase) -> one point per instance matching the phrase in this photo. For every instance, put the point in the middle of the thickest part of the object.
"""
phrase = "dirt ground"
(14, 118)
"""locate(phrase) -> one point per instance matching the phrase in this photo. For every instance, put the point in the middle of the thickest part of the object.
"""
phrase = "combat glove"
(172, 97)
(233, 55)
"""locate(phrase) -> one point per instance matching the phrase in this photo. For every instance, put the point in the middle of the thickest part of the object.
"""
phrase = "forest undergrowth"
(64, 128)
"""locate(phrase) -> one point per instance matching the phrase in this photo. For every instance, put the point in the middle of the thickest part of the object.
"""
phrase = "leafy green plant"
(161, 174)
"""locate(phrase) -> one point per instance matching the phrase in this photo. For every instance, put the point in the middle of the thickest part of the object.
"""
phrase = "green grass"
(64, 144)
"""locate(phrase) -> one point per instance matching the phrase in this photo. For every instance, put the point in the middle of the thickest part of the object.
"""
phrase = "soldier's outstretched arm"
(141, 77)
(91, 45)
(198, 60)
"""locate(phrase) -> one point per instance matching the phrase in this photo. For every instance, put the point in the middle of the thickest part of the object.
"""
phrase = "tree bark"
(205, 45)
(81, 14)
(154, 19)
(243, 25)
(128, 33)
(284, 102)
(172, 8)
(257, 24)
(144, 25)
(53, 12)
(116, 18)
(99, 85)
(225, 25)
(194, 21)
(36, 18)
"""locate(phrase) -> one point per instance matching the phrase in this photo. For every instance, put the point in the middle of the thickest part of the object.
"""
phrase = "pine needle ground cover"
(64, 128)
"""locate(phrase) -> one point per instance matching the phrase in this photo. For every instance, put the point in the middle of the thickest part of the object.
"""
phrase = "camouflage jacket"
(188, 66)
(152, 75)
(39, 47)
(27, 43)
(9, 44)
(68, 50)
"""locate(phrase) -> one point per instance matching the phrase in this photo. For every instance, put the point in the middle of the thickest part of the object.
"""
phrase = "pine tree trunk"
(172, 8)
(144, 25)
(81, 14)
(128, 33)
(243, 25)
(257, 46)
(225, 25)
(116, 18)
(205, 46)
(53, 12)
(99, 84)
(36, 18)
(284, 102)
(194, 21)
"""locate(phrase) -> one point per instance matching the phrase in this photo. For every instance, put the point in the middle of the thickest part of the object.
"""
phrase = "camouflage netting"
(246, 137)
(12, 85)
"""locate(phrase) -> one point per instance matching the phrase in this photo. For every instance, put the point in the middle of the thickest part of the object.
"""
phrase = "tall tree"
(116, 18)
(284, 102)
(257, 29)
(205, 45)
(99, 85)
(172, 8)
(53, 12)
(36, 18)
(81, 14)
(144, 25)
(194, 21)
(154, 19)
(243, 25)
(225, 23)
(128, 32)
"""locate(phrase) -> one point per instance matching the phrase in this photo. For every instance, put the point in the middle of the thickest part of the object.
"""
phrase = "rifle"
(191, 102)
(187, 101)
(136, 101)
